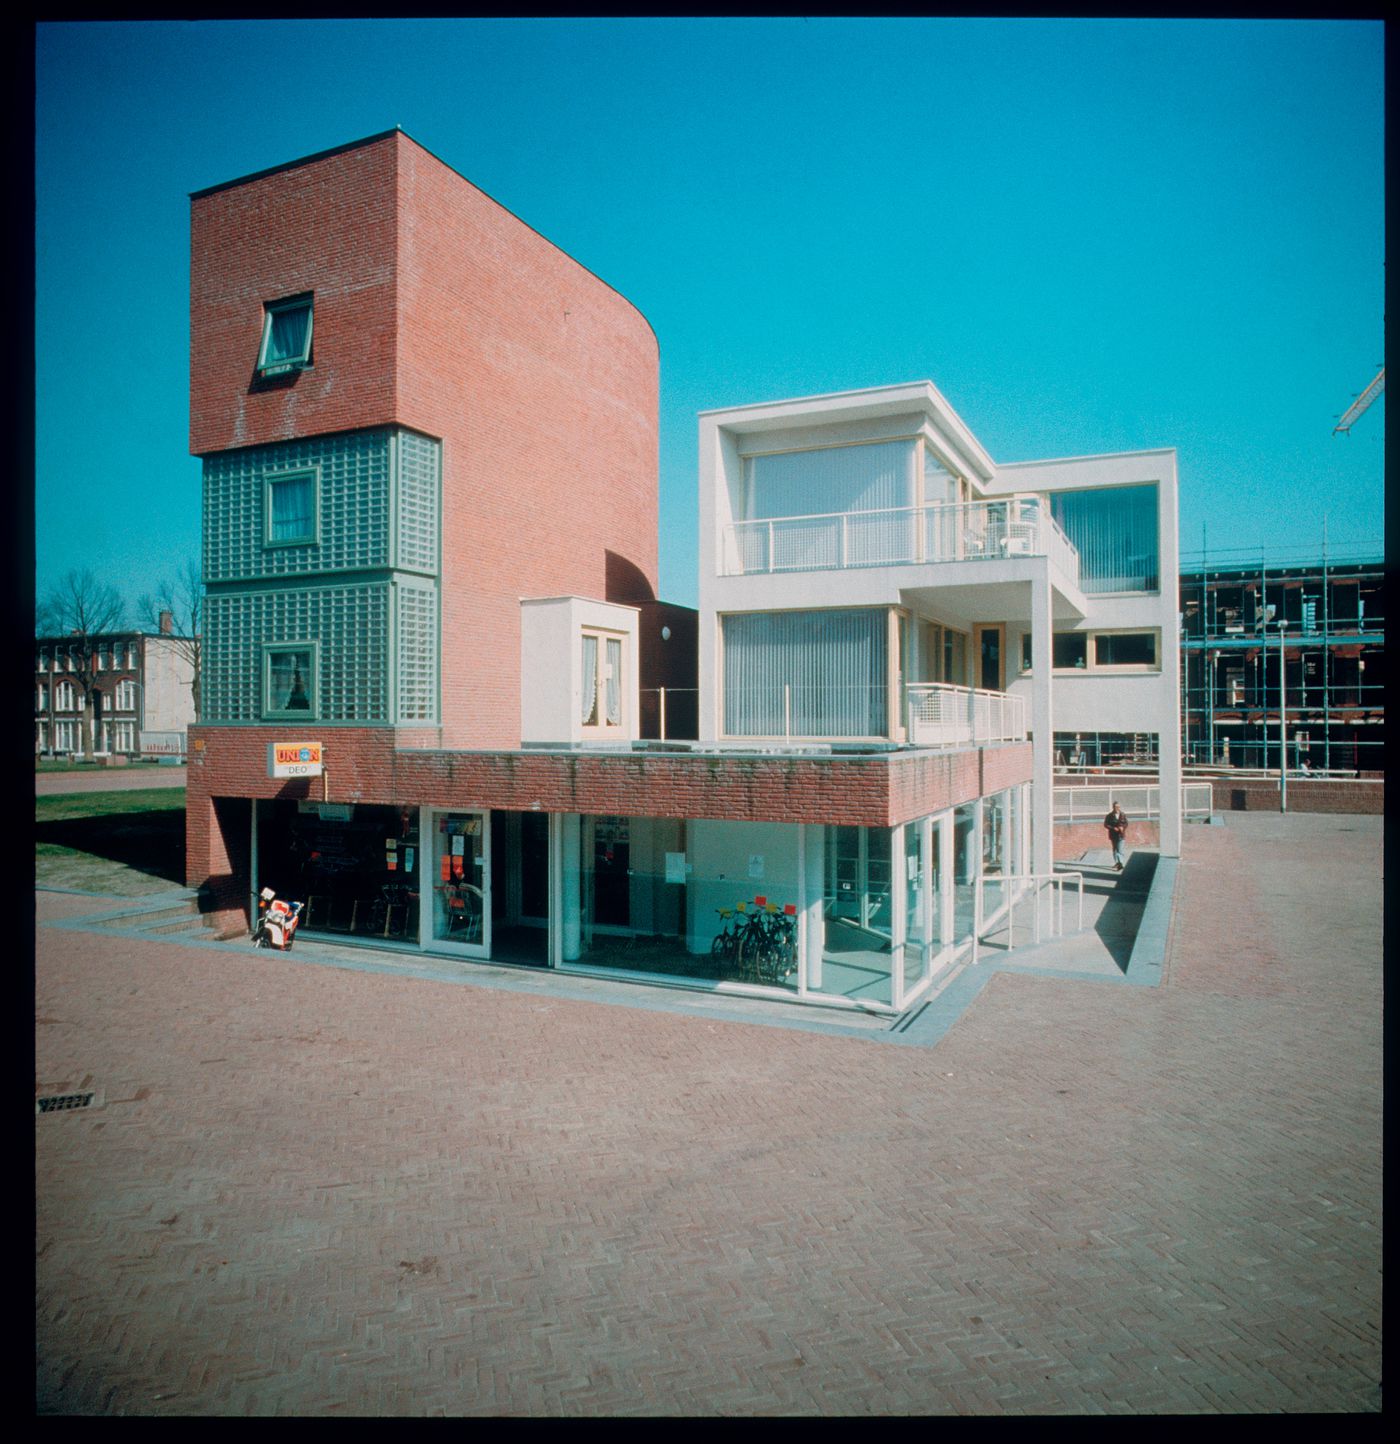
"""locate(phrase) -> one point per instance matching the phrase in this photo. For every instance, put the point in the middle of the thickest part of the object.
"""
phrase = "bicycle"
(770, 952)
(724, 950)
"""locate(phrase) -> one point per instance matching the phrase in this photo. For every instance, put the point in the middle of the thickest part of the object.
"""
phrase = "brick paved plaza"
(317, 1191)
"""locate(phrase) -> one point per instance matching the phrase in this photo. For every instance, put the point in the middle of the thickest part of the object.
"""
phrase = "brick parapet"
(1305, 794)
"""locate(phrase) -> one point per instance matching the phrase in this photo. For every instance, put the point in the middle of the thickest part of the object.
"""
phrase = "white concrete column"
(1042, 725)
(813, 925)
(899, 913)
(570, 911)
(1169, 781)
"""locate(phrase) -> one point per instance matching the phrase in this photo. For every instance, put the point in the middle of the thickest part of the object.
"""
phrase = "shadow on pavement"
(1117, 924)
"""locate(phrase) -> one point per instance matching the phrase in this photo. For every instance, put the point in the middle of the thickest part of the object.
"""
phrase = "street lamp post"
(1282, 723)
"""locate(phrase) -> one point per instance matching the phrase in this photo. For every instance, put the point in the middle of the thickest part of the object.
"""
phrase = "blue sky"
(1090, 235)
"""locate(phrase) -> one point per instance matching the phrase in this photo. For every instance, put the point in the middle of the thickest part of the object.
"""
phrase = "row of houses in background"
(141, 686)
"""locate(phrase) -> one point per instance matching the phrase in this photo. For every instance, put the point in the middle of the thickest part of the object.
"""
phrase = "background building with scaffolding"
(1329, 609)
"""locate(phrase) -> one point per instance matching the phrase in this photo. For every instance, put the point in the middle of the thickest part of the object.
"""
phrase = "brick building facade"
(142, 695)
(429, 441)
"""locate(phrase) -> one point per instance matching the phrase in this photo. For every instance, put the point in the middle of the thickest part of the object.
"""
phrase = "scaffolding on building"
(1329, 612)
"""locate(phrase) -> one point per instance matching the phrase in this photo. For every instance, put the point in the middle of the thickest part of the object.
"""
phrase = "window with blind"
(866, 485)
(805, 674)
(1115, 531)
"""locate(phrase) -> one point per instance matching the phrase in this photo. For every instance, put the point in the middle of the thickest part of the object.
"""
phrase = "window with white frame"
(131, 655)
(290, 508)
(600, 691)
(41, 662)
(41, 698)
(64, 697)
(41, 736)
(286, 336)
(124, 697)
(123, 736)
(1121, 651)
(102, 659)
(289, 680)
(63, 736)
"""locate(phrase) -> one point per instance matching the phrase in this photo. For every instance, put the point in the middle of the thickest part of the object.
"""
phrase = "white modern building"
(868, 572)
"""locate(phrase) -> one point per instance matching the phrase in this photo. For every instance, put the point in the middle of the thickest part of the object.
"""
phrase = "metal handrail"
(990, 528)
(966, 715)
(1142, 801)
(1036, 880)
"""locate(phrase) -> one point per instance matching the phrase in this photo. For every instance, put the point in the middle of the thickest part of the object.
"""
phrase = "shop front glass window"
(965, 858)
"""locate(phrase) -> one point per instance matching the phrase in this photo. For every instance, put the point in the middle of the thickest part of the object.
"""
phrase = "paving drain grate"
(67, 1102)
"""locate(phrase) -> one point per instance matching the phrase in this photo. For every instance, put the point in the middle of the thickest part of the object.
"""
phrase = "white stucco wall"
(551, 666)
(167, 676)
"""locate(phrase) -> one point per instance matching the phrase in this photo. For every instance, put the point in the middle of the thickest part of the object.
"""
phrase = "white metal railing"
(938, 714)
(1015, 889)
(1012, 526)
(1142, 803)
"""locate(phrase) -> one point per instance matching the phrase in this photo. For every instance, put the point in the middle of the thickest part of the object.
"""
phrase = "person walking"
(1116, 825)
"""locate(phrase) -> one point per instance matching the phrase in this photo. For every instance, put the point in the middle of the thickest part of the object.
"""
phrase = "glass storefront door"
(460, 916)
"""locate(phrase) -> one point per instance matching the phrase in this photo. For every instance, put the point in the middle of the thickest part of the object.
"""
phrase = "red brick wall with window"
(436, 308)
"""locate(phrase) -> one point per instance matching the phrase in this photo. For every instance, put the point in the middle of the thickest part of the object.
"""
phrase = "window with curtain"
(612, 712)
(291, 509)
(600, 701)
(805, 674)
(286, 338)
(290, 681)
(589, 689)
(1115, 531)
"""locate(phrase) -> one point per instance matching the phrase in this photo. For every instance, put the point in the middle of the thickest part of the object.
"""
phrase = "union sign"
(293, 759)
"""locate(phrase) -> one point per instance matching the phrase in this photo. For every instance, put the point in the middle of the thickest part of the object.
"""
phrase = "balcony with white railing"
(1016, 526)
(940, 715)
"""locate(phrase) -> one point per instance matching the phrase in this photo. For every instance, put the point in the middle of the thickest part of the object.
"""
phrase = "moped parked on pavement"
(277, 921)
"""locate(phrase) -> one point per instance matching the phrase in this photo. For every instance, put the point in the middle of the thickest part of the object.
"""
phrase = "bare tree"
(183, 598)
(81, 609)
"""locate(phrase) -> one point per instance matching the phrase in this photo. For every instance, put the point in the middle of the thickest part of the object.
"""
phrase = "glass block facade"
(416, 670)
(364, 590)
(419, 467)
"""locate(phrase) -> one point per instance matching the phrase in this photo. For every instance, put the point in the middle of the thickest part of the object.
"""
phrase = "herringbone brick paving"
(321, 1192)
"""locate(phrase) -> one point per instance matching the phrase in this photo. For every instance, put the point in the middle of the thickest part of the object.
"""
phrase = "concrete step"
(195, 923)
(178, 913)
